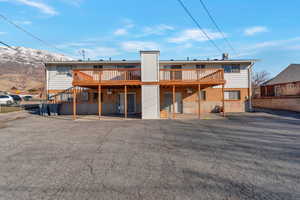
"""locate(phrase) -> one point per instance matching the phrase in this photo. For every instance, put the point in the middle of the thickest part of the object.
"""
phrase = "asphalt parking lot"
(245, 156)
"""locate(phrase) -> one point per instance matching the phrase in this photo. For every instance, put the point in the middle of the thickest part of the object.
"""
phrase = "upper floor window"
(62, 70)
(172, 66)
(98, 66)
(231, 68)
(200, 66)
(127, 66)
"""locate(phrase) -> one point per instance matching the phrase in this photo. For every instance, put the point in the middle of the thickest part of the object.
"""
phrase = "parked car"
(27, 98)
(6, 100)
(17, 98)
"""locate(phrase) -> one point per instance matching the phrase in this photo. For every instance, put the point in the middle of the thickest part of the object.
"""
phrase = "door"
(176, 75)
(131, 105)
(168, 102)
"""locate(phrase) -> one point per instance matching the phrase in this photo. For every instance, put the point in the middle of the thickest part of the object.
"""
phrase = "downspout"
(250, 87)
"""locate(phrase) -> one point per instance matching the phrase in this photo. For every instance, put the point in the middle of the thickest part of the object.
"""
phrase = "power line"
(30, 34)
(7, 45)
(199, 26)
(216, 25)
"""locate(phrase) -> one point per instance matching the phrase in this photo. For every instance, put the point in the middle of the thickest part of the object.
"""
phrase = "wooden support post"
(174, 101)
(223, 100)
(199, 100)
(74, 104)
(99, 101)
(125, 102)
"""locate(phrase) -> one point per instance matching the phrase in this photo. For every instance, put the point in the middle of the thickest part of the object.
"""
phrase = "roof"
(288, 75)
(103, 62)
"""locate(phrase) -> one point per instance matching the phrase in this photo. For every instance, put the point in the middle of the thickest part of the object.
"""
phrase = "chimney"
(225, 56)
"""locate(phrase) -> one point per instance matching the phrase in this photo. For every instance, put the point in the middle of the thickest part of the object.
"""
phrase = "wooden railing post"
(223, 100)
(174, 101)
(74, 104)
(125, 102)
(199, 101)
(99, 101)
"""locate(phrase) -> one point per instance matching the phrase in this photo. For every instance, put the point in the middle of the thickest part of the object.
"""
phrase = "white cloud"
(121, 31)
(2, 33)
(25, 22)
(76, 3)
(194, 35)
(44, 8)
(156, 30)
(98, 52)
(128, 23)
(255, 30)
(134, 46)
(274, 43)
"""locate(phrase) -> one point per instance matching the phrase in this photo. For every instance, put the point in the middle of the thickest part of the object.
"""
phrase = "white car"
(6, 100)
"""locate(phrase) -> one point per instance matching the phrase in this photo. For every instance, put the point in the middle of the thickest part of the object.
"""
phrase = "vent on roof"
(172, 59)
(123, 60)
(195, 60)
(225, 56)
(101, 60)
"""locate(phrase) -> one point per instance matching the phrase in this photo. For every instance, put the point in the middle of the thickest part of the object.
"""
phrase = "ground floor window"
(203, 95)
(232, 95)
(95, 97)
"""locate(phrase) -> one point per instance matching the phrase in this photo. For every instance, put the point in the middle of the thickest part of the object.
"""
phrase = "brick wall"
(279, 103)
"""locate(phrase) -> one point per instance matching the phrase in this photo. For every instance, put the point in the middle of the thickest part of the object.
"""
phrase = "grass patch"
(7, 109)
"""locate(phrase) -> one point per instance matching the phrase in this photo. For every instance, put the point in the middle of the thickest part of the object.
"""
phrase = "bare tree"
(258, 79)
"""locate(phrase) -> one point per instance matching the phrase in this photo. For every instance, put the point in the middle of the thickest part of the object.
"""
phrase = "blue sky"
(118, 28)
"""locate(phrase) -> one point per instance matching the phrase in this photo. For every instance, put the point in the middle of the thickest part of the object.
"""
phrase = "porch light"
(189, 91)
(109, 91)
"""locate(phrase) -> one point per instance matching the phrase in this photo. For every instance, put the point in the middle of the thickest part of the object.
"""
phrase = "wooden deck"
(95, 77)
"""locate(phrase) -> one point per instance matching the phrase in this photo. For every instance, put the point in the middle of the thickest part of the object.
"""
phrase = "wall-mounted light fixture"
(189, 91)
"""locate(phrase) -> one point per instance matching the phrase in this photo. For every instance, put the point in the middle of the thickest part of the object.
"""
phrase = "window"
(231, 68)
(172, 66)
(232, 95)
(62, 70)
(96, 97)
(98, 67)
(3, 97)
(203, 95)
(200, 66)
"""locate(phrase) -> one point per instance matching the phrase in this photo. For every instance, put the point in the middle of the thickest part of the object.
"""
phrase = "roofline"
(250, 61)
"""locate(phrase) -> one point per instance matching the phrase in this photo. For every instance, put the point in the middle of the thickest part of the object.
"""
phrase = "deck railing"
(191, 75)
(95, 76)
(106, 75)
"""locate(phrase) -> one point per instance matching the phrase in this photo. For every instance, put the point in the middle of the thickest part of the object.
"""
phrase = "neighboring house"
(151, 87)
(282, 91)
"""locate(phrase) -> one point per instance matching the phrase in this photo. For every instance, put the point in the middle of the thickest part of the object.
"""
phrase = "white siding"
(58, 81)
(150, 66)
(150, 102)
(236, 80)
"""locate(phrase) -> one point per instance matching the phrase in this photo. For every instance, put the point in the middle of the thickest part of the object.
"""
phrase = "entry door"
(176, 75)
(131, 97)
(168, 102)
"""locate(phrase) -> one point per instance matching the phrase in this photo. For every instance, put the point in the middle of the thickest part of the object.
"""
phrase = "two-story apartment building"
(150, 87)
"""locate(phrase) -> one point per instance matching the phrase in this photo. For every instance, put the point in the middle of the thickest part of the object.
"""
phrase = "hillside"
(23, 69)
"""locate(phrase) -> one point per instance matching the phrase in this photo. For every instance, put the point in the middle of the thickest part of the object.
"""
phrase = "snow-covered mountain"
(28, 56)
(22, 68)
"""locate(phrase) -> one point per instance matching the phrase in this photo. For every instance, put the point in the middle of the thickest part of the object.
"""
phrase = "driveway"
(245, 156)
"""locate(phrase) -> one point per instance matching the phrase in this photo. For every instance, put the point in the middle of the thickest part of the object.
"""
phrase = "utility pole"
(82, 53)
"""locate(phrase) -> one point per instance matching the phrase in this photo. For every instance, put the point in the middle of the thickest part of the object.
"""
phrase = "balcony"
(191, 76)
(107, 76)
(132, 76)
